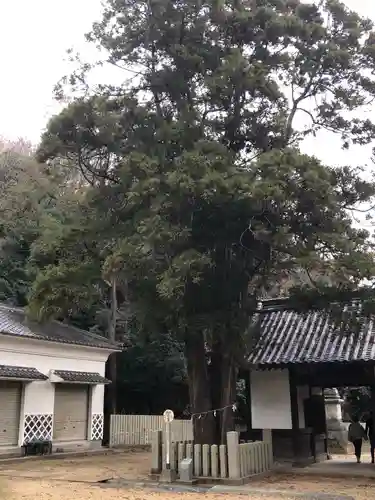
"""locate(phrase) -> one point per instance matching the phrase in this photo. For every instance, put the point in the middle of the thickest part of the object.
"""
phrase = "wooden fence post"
(156, 452)
(214, 460)
(197, 460)
(223, 461)
(233, 446)
(267, 438)
(206, 460)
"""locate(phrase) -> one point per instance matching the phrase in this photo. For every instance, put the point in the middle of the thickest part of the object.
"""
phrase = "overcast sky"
(34, 36)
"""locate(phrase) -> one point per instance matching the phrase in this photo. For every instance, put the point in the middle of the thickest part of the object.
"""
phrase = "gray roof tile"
(20, 373)
(13, 321)
(82, 377)
(289, 336)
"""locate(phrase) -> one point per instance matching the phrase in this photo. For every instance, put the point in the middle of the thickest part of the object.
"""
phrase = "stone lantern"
(336, 430)
(333, 405)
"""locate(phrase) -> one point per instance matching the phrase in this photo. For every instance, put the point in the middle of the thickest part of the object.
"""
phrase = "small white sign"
(168, 416)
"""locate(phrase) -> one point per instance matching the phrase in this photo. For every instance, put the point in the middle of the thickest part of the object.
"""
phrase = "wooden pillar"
(312, 435)
(294, 412)
(373, 401)
(325, 426)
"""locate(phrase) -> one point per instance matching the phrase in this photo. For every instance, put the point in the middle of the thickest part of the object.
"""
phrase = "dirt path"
(358, 488)
(130, 464)
(35, 489)
(67, 479)
(42, 490)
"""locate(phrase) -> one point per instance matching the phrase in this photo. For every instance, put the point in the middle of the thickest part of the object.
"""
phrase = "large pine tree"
(197, 194)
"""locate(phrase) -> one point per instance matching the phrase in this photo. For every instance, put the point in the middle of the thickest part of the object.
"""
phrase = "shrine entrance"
(298, 357)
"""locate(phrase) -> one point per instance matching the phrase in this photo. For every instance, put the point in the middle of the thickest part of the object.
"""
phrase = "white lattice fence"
(97, 426)
(37, 427)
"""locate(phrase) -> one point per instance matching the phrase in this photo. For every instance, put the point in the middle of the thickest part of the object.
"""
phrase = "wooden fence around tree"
(233, 462)
(136, 430)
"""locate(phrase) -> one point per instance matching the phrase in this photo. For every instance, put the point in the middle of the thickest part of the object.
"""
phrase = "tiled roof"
(20, 373)
(289, 336)
(13, 321)
(81, 377)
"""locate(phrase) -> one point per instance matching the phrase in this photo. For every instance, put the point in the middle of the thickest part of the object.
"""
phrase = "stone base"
(70, 446)
(187, 483)
(168, 476)
(211, 480)
(10, 452)
(337, 437)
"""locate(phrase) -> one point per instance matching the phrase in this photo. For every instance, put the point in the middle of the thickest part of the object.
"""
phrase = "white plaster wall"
(38, 397)
(97, 398)
(270, 400)
(45, 356)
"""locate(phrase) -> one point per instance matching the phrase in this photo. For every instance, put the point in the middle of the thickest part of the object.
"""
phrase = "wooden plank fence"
(255, 458)
(138, 429)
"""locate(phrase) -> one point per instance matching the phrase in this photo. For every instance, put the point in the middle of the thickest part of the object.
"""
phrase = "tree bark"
(112, 365)
(110, 392)
(216, 386)
(223, 382)
(199, 389)
(228, 391)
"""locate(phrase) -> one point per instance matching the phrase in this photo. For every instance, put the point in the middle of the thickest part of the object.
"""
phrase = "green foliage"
(26, 195)
(357, 401)
(243, 71)
(151, 374)
(197, 195)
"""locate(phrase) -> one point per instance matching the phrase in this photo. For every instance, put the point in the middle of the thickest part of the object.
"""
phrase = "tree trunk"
(223, 383)
(110, 391)
(199, 389)
(112, 387)
(216, 387)
(112, 365)
(228, 399)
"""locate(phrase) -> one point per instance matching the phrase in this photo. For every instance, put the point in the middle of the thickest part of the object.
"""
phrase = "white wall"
(47, 356)
(97, 400)
(38, 396)
(270, 399)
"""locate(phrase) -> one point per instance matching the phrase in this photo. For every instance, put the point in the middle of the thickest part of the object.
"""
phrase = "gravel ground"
(357, 488)
(129, 464)
(29, 489)
(67, 479)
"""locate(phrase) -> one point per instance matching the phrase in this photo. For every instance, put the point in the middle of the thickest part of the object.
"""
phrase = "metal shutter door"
(71, 412)
(10, 406)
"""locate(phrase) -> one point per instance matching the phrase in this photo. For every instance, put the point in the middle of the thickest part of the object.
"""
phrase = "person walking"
(370, 434)
(356, 434)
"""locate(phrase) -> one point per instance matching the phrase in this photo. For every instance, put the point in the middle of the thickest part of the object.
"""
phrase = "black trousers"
(358, 447)
(372, 447)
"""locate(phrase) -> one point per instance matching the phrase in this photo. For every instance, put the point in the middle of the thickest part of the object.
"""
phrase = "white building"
(51, 383)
